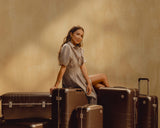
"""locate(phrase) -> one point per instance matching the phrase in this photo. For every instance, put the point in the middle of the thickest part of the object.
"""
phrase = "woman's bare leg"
(99, 80)
(98, 86)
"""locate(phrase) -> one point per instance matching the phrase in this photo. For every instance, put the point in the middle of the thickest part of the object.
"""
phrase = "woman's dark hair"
(68, 37)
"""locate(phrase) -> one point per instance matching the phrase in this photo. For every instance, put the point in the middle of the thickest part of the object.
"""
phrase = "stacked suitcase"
(26, 110)
(89, 116)
(18, 105)
(120, 107)
(26, 124)
(65, 102)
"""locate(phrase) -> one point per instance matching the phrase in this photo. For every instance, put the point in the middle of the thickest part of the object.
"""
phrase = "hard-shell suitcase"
(65, 101)
(89, 116)
(147, 109)
(119, 107)
(26, 124)
(23, 105)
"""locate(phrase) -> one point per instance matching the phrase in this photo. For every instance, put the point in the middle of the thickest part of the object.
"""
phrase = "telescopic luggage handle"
(139, 79)
(146, 79)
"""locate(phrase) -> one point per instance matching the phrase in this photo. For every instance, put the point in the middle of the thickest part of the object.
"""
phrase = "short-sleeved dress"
(72, 57)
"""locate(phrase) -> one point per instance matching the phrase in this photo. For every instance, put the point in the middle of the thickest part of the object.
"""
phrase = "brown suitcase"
(147, 108)
(119, 107)
(89, 116)
(26, 124)
(65, 102)
(23, 105)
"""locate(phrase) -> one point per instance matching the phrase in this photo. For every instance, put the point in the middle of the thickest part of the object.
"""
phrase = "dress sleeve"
(64, 57)
(83, 59)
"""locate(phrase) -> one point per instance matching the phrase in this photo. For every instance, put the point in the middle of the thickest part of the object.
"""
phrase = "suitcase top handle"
(146, 79)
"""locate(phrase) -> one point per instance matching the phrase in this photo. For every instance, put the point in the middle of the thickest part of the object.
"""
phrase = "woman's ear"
(71, 34)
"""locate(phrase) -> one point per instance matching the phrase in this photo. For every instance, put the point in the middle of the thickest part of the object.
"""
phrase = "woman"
(73, 71)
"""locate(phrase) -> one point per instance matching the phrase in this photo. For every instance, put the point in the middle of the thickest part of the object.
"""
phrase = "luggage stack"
(42, 110)
(118, 107)
(128, 108)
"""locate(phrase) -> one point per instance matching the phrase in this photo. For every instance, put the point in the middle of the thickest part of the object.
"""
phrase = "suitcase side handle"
(144, 79)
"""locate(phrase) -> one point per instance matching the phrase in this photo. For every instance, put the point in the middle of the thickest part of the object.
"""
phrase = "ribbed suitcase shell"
(147, 112)
(65, 102)
(26, 124)
(89, 116)
(119, 107)
(23, 105)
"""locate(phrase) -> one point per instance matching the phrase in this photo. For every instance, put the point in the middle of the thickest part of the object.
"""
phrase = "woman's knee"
(103, 76)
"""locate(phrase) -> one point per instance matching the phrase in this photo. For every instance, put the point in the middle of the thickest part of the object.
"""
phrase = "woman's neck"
(73, 43)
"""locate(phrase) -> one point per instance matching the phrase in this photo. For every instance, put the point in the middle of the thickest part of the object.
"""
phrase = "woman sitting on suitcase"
(73, 71)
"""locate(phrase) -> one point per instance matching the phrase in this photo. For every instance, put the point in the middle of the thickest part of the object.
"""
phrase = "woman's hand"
(89, 89)
(51, 89)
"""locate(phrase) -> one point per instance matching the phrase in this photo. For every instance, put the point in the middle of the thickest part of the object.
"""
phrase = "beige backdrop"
(122, 40)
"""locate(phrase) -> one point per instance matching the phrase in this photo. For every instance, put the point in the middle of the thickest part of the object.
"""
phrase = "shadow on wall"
(23, 21)
(21, 25)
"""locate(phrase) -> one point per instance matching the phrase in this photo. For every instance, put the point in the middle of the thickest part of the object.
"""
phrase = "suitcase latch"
(154, 105)
(10, 104)
(122, 96)
(81, 116)
(43, 104)
(135, 99)
(58, 98)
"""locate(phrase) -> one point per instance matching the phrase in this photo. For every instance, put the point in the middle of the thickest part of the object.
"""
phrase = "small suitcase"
(147, 108)
(26, 124)
(89, 116)
(23, 105)
(65, 101)
(119, 107)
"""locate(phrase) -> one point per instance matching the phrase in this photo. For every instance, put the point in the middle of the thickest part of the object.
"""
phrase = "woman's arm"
(59, 77)
(85, 74)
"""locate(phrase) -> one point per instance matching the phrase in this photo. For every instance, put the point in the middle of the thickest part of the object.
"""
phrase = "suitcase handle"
(146, 79)
(79, 90)
(119, 87)
(139, 79)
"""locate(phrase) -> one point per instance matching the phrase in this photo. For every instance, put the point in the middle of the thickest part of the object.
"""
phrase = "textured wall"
(121, 40)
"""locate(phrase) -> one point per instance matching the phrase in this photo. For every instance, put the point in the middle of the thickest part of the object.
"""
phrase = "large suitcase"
(65, 102)
(119, 107)
(89, 116)
(147, 109)
(26, 124)
(23, 105)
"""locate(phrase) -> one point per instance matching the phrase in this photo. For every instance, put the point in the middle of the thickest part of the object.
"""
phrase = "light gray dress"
(72, 57)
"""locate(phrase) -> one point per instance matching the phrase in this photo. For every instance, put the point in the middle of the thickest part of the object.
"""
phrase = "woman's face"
(77, 36)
